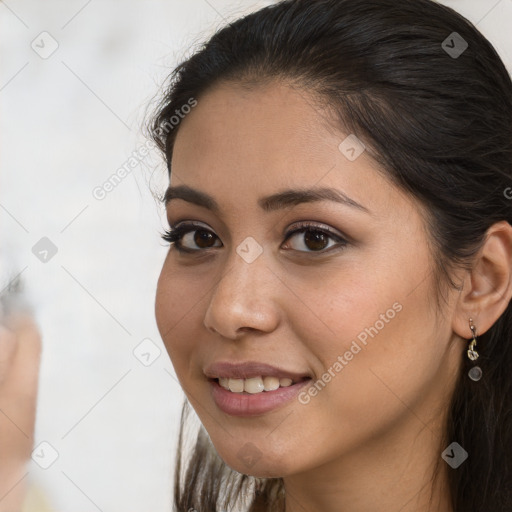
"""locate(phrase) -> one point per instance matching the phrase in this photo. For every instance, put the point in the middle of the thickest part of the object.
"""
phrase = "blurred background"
(77, 78)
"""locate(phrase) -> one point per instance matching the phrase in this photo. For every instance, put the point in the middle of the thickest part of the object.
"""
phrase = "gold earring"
(476, 372)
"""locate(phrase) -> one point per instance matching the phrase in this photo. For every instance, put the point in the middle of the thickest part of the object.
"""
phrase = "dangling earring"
(476, 372)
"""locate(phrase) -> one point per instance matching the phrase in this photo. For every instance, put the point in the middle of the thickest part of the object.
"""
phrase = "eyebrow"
(281, 200)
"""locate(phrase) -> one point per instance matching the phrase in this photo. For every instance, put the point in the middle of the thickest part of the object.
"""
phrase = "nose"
(244, 299)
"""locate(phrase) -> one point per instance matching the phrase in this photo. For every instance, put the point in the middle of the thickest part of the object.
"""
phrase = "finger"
(8, 346)
(18, 392)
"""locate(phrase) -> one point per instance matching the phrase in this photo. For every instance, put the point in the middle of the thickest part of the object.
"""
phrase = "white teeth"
(236, 385)
(254, 384)
(270, 383)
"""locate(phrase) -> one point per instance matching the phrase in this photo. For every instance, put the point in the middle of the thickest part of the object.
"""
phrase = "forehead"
(264, 127)
(240, 143)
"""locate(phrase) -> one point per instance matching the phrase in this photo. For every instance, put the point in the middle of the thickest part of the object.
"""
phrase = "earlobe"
(487, 288)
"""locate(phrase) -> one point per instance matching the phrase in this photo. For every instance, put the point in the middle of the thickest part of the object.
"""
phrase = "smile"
(254, 396)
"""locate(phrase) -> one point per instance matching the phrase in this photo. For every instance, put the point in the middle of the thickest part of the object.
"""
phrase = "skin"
(370, 438)
(20, 352)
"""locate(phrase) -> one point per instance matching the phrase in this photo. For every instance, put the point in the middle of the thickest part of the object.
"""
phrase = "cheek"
(177, 302)
(377, 347)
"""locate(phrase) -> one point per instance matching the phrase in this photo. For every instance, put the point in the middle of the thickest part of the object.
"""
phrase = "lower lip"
(247, 404)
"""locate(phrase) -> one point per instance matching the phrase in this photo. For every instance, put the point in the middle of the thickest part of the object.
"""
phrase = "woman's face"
(353, 310)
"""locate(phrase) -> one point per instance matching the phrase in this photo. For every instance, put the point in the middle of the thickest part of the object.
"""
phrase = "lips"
(251, 369)
(253, 388)
(248, 404)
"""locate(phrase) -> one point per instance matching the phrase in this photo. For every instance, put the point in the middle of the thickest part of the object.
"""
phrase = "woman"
(336, 297)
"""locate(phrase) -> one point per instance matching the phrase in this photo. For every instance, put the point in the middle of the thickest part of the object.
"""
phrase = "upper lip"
(248, 369)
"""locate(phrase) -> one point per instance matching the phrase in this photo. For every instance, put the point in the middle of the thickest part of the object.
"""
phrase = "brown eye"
(203, 239)
(313, 239)
(191, 238)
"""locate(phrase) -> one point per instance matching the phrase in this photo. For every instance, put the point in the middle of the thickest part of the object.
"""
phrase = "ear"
(487, 287)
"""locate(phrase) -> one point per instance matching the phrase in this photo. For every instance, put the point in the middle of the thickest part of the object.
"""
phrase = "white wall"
(67, 123)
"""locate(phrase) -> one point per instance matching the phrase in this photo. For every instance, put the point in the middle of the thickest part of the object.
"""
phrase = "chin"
(248, 460)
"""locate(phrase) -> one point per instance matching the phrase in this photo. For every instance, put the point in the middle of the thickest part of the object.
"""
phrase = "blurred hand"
(20, 349)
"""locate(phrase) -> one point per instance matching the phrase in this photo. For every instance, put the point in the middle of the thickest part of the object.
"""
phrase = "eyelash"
(175, 235)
